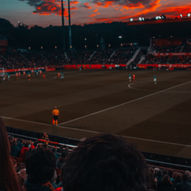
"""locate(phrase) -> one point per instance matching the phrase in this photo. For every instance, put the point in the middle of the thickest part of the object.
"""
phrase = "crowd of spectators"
(101, 56)
(171, 45)
(14, 59)
(104, 162)
(174, 52)
(122, 56)
(19, 59)
(152, 59)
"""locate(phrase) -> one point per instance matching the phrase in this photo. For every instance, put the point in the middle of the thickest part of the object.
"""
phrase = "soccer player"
(130, 77)
(4, 77)
(62, 75)
(8, 76)
(36, 73)
(44, 76)
(29, 76)
(155, 79)
(55, 114)
(17, 75)
(133, 77)
(58, 75)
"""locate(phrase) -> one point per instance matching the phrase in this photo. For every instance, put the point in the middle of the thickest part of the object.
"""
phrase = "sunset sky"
(47, 12)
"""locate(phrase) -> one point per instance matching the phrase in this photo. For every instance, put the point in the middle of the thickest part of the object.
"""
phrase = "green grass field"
(154, 117)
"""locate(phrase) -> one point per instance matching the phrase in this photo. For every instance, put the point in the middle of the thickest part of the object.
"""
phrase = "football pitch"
(157, 118)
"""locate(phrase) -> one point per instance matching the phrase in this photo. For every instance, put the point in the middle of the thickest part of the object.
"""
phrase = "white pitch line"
(129, 85)
(26, 121)
(96, 132)
(125, 103)
(46, 124)
(156, 141)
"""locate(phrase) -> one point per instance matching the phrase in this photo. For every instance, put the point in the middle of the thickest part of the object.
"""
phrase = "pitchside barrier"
(70, 144)
(66, 66)
(93, 67)
(167, 66)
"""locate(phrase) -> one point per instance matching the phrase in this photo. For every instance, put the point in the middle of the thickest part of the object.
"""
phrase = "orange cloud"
(104, 4)
(174, 11)
(48, 7)
(107, 11)
(96, 10)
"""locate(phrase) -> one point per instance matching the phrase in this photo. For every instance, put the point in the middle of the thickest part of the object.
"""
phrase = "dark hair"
(166, 180)
(103, 163)
(8, 176)
(40, 166)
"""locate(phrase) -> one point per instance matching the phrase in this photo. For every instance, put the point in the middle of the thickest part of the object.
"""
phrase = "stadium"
(128, 80)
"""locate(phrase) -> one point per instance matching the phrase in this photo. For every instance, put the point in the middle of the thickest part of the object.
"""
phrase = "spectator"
(40, 167)
(8, 177)
(105, 163)
(165, 184)
(178, 179)
(185, 185)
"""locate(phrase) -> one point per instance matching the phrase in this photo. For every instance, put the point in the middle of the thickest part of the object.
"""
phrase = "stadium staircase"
(113, 53)
(91, 56)
(141, 59)
(133, 58)
(66, 56)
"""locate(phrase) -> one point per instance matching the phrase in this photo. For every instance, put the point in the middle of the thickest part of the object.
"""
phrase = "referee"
(55, 114)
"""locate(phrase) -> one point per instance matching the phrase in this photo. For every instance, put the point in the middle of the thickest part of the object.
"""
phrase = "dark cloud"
(47, 7)
(85, 5)
(128, 3)
(44, 7)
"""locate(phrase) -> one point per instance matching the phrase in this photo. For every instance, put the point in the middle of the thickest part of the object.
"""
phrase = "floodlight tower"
(70, 28)
(63, 25)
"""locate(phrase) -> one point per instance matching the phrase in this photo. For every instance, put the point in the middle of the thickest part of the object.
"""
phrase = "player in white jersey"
(62, 75)
(155, 79)
(130, 77)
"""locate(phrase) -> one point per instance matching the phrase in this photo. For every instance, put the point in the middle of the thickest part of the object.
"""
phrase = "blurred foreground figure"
(40, 167)
(104, 163)
(8, 176)
(155, 79)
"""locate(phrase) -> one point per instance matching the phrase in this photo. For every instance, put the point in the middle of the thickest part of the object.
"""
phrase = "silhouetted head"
(104, 163)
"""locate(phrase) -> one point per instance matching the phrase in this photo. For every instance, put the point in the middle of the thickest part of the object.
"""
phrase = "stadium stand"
(164, 172)
(17, 59)
(168, 53)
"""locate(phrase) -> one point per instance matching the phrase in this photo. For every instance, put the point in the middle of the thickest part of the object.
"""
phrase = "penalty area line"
(125, 103)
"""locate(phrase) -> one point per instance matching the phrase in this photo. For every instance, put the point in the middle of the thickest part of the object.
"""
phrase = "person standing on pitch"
(155, 79)
(133, 77)
(62, 76)
(55, 113)
(130, 78)
(58, 75)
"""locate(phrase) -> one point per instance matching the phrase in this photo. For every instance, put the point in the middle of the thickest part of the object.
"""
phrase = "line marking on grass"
(157, 141)
(26, 121)
(49, 125)
(125, 103)
(96, 132)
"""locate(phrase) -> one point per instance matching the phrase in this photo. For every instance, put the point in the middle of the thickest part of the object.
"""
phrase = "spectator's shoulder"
(34, 187)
